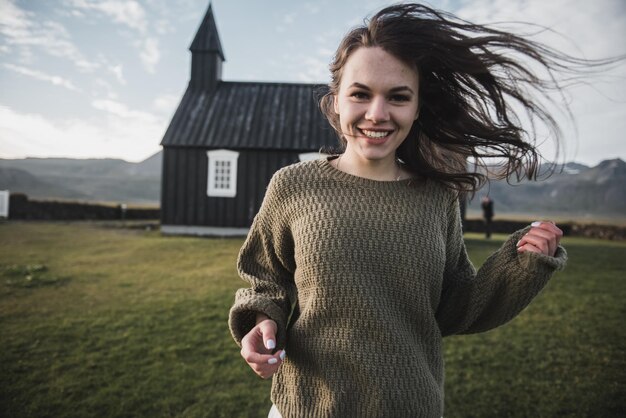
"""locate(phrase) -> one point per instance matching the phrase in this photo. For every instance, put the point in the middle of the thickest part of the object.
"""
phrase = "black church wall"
(184, 187)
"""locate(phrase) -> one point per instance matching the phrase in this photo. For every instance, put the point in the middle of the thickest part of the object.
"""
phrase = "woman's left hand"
(543, 238)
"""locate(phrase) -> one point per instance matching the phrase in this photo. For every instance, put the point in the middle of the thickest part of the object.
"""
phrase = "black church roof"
(207, 38)
(251, 115)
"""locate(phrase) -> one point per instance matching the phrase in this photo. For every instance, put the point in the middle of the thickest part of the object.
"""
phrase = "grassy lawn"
(105, 322)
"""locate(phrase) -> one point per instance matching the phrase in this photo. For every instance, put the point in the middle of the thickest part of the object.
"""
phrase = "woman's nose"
(377, 111)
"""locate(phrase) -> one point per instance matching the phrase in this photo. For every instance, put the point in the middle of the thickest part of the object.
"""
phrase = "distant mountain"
(572, 189)
(150, 166)
(84, 179)
(574, 168)
(14, 179)
(68, 167)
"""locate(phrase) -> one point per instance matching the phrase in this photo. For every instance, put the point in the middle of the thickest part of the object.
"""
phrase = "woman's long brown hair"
(470, 75)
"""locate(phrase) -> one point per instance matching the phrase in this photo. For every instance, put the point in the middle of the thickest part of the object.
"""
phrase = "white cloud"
(131, 14)
(312, 8)
(132, 136)
(166, 104)
(150, 54)
(575, 27)
(24, 31)
(125, 12)
(120, 110)
(315, 70)
(118, 72)
(289, 18)
(39, 75)
(163, 27)
(325, 52)
(76, 13)
(583, 29)
(103, 88)
(13, 20)
(286, 22)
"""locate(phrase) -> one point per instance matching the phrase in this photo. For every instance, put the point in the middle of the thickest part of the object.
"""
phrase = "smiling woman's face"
(377, 103)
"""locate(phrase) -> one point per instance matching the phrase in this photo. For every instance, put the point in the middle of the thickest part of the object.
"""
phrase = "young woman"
(356, 262)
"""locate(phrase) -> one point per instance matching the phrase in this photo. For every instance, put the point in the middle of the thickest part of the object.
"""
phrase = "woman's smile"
(375, 134)
(376, 137)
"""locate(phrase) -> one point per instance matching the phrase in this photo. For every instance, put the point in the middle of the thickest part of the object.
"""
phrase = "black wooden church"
(227, 138)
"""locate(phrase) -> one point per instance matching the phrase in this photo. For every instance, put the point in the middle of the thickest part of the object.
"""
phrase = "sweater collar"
(330, 171)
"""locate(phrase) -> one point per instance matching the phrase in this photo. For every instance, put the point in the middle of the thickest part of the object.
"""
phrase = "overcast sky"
(102, 78)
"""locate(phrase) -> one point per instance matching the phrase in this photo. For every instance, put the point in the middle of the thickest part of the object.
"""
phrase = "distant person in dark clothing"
(487, 205)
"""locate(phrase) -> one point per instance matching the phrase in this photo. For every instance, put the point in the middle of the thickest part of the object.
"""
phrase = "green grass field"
(106, 322)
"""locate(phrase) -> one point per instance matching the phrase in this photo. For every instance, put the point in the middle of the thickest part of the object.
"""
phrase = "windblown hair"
(469, 77)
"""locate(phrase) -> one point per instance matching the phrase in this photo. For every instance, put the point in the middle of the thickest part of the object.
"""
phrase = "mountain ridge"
(96, 179)
(572, 188)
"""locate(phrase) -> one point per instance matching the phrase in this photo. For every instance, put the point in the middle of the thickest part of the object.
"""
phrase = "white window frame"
(226, 160)
(4, 203)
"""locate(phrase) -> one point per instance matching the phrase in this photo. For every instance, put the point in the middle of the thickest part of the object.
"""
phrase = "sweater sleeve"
(506, 283)
(266, 262)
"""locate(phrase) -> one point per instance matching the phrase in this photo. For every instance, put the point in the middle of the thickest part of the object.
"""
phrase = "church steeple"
(207, 55)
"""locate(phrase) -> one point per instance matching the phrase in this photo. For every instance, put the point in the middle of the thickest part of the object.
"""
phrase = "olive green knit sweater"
(364, 278)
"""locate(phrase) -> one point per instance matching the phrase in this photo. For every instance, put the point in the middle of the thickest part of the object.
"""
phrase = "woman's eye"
(359, 95)
(400, 98)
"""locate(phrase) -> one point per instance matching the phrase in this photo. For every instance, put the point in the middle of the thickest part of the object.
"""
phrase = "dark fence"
(23, 208)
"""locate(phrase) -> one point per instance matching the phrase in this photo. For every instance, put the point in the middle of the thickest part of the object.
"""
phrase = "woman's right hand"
(258, 345)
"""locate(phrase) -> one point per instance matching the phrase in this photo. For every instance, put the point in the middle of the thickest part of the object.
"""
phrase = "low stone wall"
(610, 232)
(23, 208)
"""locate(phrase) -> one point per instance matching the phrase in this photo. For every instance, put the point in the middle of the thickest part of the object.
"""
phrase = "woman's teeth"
(375, 134)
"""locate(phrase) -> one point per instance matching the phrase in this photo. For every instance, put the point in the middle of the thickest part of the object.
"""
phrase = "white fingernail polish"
(282, 355)
(535, 224)
(270, 344)
(272, 361)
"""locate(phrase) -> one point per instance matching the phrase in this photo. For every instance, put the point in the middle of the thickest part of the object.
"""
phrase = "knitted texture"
(364, 278)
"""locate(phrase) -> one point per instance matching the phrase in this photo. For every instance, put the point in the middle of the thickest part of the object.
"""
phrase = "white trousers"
(274, 413)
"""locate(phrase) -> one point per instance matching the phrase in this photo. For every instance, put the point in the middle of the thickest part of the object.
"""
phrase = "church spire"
(207, 55)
